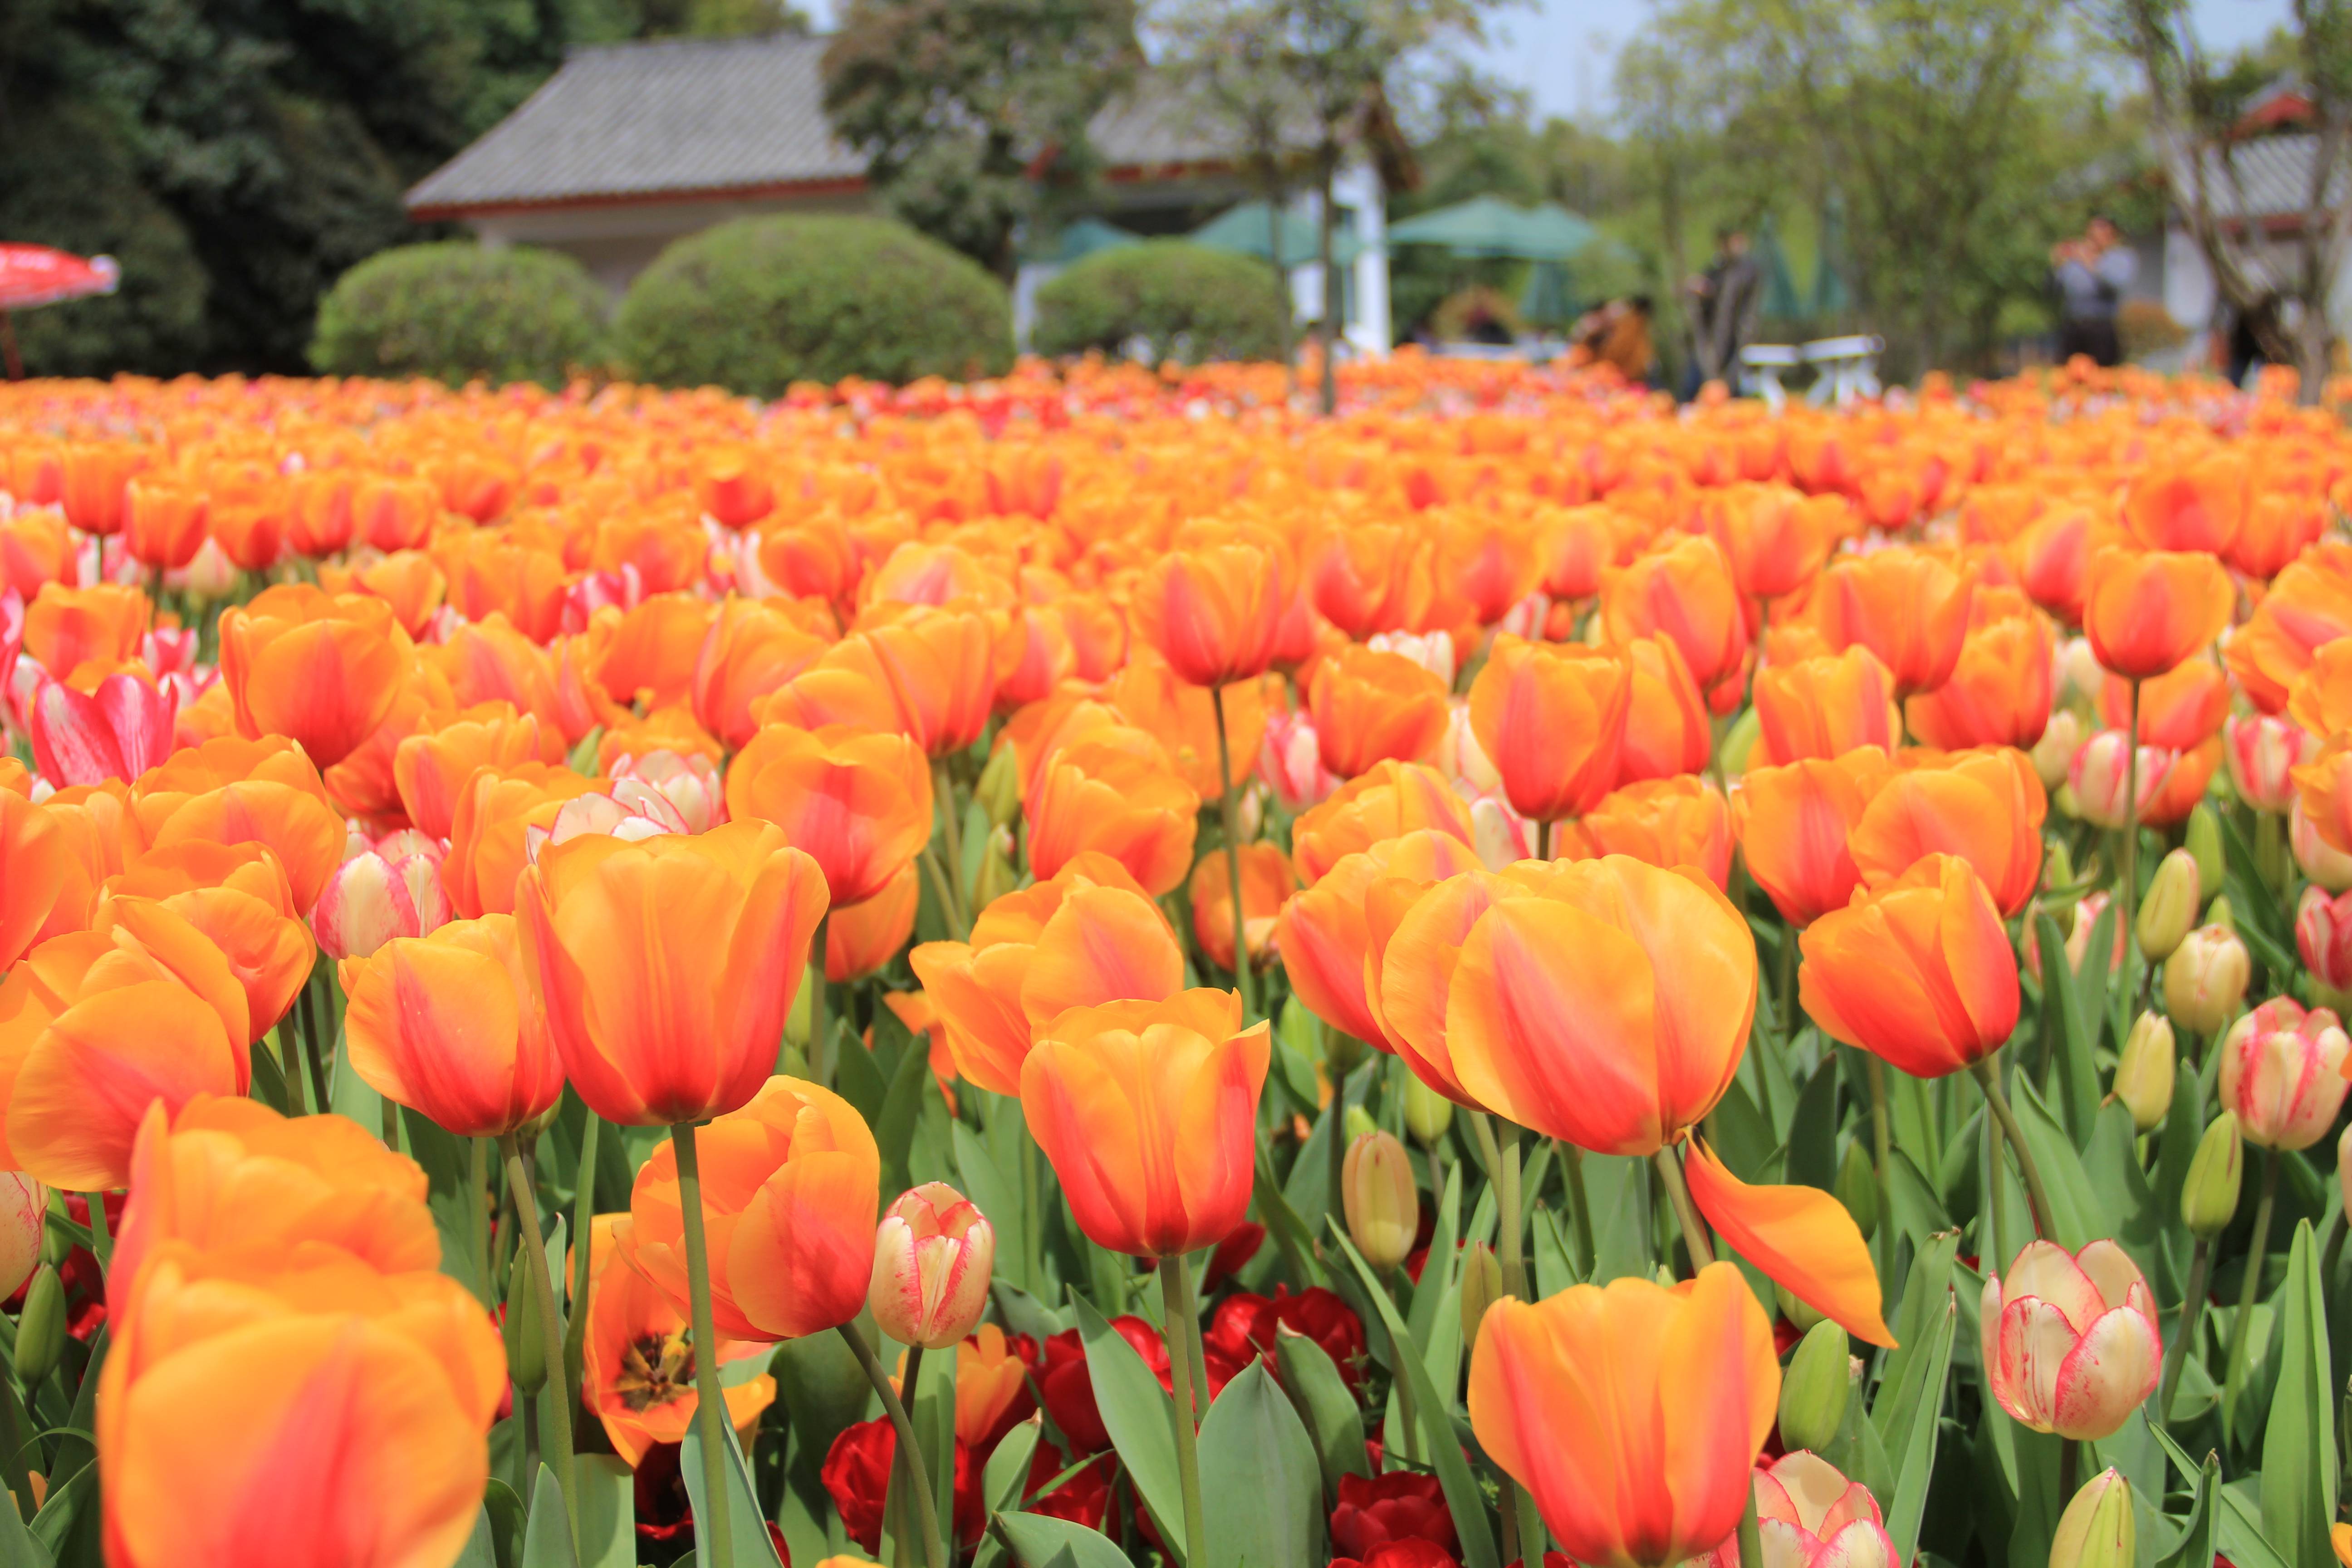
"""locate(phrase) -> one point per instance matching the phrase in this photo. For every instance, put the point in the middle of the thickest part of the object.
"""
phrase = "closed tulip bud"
(1815, 1392)
(2205, 979)
(1482, 1286)
(2204, 843)
(2219, 914)
(2283, 1073)
(526, 1346)
(1357, 1122)
(1858, 1188)
(932, 1254)
(1804, 1318)
(2320, 860)
(2096, 1530)
(2057, 866)
(2344, 1167)
(41, 1327)
(2208, 1196)
(1427, 1113)
(1383, 1204)
(2053, 755)
(2170, 907)
(2144, 1074)
(997, 875)
(56, 1244)
(999, 789)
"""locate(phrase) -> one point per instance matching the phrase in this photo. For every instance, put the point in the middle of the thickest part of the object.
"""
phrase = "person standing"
(2090, 275)
(1725, 302)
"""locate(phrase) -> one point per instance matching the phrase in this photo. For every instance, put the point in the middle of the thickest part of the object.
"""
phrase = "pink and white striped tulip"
(1810, 1516)
(118, 732)
(2072, 1341)
(932, 1254)
(2283, 1073)
(375, 896)
(2261, 748)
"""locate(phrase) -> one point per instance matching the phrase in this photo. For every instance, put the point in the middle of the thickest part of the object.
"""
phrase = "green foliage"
(456, 311)
(1191, 303)
(759, 303)
(958, 104)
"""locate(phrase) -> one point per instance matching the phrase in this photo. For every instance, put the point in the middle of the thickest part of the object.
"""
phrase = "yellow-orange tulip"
(411, 583)
(939, 664)
(1918, 971)
(1998, 694)
(1801, 1236)
(491, 832)
(1114, 790)
(1632, 1413)
(1906, 605)
(65, 627)
(2146, 611)
(1213, 614)
(1370, 706)
(668, 965)
(1985, 807)
(163, 523)
(1667, 728)
(37, 866)
(1149, 1113)
(1684, 591)
(753, 646)
(303, 832)
(858, 801)
(650, 652)
(1087, 936)
(431, 767)
(637, 1365)
(322, 668)
(1392, 800)
(1793, 824)
(1322, 932)
(863, 937)
(790, 1186)
(1551, 718)
(1149, 695)
(450, 1024)
(238, 897)
(1825, 707)
(2308, 606)
(1670, 822)
(1266, 882)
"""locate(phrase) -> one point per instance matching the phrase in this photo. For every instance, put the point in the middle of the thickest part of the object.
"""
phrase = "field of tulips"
(1091, 970)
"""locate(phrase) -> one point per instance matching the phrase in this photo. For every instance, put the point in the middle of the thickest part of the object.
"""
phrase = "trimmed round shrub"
(1186, 301)
(456, 311)
(760, 302)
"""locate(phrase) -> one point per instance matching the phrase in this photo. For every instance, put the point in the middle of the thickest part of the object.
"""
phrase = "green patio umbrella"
(1491, 226)
(1782, 301)
(1085, 235)
(1831, 297)
(1244, 229)
(1545, 302)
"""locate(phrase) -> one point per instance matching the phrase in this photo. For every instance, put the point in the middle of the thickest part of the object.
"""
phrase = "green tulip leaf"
(1261, 1479)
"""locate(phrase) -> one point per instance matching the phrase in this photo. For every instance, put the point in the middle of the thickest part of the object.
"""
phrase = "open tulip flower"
(1607, 764)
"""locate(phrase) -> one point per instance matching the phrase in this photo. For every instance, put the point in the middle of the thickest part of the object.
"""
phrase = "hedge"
(455, 311)
(1185, 301)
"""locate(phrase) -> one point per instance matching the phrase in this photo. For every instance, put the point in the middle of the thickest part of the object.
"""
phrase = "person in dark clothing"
(2090, 275)
(1725, 302)
(2244, 340)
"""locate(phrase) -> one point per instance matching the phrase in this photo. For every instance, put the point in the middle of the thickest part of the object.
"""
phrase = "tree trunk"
(1273, 192)
(2312, 340)
(1327, 329)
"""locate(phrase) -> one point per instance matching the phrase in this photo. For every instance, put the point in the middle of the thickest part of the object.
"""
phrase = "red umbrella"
(36, 275)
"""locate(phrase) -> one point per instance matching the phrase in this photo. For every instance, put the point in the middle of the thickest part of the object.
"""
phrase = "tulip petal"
(2106, 1375)
(802, 1254)
(1800, 1238)
(87, 1081)
(1104, 944)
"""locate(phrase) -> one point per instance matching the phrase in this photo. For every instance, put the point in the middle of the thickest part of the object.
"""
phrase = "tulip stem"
(1543, 840)
(951, 829)
(1176, 1298)
(2193, 1306)
(1790, 1011)
(1231, 817)
(1695, 1238)
(1581, 1205)
(2069, 1467)
(584, 1231)
(2128, 902)
(289, 1065)
(2267, 857)
(820, 1067)
(551, 1328)
(1988, 1079)
(101, 1235)
(1033, 1213)
(2250, 1292)
(949, 908)
(1507, 1252)
(478, 1187)
(310, 1047)
(715, 1543)
(927, 1510)
(1751, 1535)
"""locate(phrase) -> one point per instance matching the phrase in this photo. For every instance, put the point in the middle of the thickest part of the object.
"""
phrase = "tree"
(973, 114)
(2193, 109)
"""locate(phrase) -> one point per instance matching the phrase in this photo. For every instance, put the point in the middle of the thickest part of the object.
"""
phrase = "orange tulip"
(431, 767)
(163, 523)
(1578, 541)
(238, 897)
(1369, 706)
(847, 684)
(1087, 936)
(637, 1366)
(1148, 1112)
(2198, 505)
(450, 1024)
(1793, 824)
(2309, 606)
(1113, 790)
(653, 649)
(668, 966)
(1667, 728)
(489, 832)
(1551, 718)
(2324, 792)
(858, 801)
(1684, 591)
(227, 1378)
(1917, 971)
(1374, 578)
(1985, 807)
(790, 1188)
(491, 661)
(410, 582)
(1267, 882)
(1605, 1002)
(1998, 694)
(305, 834)
(390, 513)
(1392, 800)
(38, 868)
(2278, 528)
(2179, 709)
(1213, 614)
(487, 576)
(753, 646)
(1906, 605)
(2320, 700)
(96, 475)
(1801, 1237)
(1825, 707)
(1774, 537)
(1323, 937)
(939, 664)
(2184, 784)
(35, 550)
(863, 937)
(322, 668)
(734, 485)
(1149, 695)
(1630, 1412)
(1491, 563)
(1666, 823)
(65, 627)
(667, 555)
(320, 523)
(2147, 611)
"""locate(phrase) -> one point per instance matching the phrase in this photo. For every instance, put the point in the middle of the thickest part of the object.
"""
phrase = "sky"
(1562, 51)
